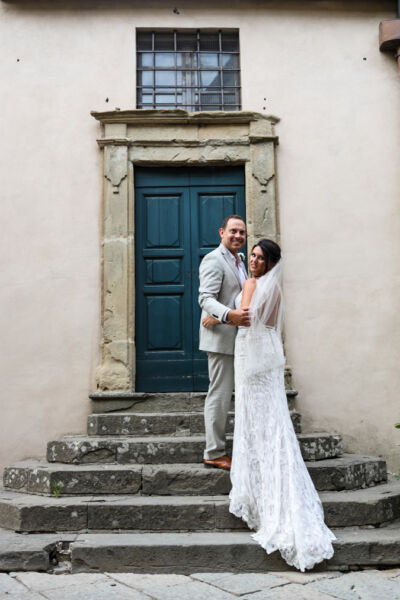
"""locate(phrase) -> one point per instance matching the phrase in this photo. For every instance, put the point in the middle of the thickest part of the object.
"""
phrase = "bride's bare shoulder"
(250, 283)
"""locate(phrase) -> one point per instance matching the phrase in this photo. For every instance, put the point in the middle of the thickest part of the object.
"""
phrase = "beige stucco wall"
(338, 193)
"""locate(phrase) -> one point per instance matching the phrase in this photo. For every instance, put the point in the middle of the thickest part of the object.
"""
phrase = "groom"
(222, 275)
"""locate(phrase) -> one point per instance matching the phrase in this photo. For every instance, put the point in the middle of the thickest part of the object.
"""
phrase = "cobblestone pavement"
(357, 585)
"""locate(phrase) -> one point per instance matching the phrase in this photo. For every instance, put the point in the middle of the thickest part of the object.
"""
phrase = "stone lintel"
(125, 141)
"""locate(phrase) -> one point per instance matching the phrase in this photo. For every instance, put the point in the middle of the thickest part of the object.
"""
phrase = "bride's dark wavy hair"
(271, 251)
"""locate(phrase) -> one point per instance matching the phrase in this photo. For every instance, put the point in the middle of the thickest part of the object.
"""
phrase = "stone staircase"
(133, 495)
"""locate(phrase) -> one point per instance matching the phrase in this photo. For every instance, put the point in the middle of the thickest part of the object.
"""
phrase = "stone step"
(188, 553)
(171, 424)
(29, 552)
(158, 450)
(40, 477)
(29, 513)
(103, 402)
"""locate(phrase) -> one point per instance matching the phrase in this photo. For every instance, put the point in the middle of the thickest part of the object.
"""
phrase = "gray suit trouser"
(218, 401)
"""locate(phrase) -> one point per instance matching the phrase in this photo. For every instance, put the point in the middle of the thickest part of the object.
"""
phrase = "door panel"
(178, 212)
(210, 204)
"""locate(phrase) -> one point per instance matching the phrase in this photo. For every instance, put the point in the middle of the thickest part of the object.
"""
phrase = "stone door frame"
(168, 138)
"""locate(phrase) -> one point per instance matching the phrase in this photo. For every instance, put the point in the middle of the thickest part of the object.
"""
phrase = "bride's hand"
(209, 322)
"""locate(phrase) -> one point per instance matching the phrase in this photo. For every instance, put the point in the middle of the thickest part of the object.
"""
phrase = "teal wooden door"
(177, 215)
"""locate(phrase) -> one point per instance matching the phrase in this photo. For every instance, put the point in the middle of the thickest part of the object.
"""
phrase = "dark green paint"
(178, 213)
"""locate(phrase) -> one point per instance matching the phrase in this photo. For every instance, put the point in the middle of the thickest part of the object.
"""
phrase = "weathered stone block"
(21, 512)
(166, 553)
(318, 446)
(347, 472)
(153, 450)
(39, 477)
(152, 513)
(187, 480)
(163, 132)
(371, 506)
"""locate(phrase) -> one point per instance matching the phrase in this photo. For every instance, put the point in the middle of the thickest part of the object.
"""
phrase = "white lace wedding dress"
(271, 488)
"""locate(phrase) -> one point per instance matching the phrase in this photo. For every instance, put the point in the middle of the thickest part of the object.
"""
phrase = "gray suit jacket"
(219, 286)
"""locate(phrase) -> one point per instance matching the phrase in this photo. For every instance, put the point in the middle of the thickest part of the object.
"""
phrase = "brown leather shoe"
(222, 462)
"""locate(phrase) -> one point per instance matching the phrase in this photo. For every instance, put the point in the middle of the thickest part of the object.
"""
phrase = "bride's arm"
(248, 291)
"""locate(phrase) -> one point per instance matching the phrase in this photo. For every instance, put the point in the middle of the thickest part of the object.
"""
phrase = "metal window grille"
(194, 70)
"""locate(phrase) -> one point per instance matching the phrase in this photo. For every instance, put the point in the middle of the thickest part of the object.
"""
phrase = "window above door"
(195, 70)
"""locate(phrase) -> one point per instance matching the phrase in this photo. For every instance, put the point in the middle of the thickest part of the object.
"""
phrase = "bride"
(271, 488)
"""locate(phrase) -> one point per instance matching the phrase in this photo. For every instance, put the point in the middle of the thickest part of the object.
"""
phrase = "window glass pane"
(164, 59)
(165, 77)
(230, 99)
(143, 40)
(179, 98)
(147, 98)
(178, 59)
(165, 90)
(232, 91)
(210, 78)
(179, 77)
(210, 98)
(230, 41)
(208, 60)
(230, 78)
(165, 98)
(230, 60)
(186, 41)
(145, 59)
(164, 40)
(145, 77)
(209, 41)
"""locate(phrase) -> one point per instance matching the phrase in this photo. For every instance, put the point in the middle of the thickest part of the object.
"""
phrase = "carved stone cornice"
(179, 117)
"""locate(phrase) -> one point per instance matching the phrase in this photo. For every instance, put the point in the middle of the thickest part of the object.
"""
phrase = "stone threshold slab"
(173, 423)
(128, 400)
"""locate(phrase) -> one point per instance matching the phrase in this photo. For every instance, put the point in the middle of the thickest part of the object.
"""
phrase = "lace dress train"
(271, 488)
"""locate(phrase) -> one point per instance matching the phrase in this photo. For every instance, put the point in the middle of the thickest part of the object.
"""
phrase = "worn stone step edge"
(103, 402)
(28, 513)
(40, 477)
(187, 553)
(220, 552)
(178, 423)
(153, 449)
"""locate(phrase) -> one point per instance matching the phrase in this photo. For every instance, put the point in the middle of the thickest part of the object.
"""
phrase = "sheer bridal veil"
(264, 336)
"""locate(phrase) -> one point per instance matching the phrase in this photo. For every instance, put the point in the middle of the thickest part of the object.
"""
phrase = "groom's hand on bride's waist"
(239, 316)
